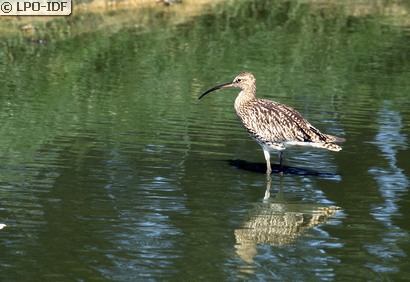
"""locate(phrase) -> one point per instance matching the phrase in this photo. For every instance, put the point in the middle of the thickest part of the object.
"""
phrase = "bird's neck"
(245, 96)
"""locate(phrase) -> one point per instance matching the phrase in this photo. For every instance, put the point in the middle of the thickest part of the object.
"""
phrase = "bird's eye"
(238, 80)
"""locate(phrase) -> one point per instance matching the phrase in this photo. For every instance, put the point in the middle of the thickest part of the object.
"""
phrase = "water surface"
(112, 170)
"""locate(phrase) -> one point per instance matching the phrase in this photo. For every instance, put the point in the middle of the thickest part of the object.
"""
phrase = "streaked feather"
(271, 122)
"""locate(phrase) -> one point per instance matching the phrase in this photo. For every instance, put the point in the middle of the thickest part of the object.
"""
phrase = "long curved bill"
(225, 85)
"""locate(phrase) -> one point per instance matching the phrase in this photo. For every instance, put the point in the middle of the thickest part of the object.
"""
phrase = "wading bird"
(273, 125)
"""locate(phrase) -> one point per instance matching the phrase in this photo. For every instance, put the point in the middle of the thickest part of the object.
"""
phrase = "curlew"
(273, 125)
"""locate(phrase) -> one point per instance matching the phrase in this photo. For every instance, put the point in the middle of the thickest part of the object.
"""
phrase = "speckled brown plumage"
(273, 125)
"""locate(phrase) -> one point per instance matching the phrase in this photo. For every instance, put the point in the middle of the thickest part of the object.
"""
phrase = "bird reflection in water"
(277, 223)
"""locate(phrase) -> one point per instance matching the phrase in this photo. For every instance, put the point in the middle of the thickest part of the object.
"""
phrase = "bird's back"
(273, 123)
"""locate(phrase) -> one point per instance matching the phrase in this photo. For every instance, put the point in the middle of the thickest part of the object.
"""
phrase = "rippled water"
(112, 170)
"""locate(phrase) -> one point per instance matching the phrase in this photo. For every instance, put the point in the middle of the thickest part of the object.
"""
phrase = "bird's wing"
(275, 122)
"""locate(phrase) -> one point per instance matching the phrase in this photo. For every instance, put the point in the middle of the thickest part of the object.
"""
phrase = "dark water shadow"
(261, 168)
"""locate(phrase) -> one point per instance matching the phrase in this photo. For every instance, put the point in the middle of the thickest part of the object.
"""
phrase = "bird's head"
(243, 81)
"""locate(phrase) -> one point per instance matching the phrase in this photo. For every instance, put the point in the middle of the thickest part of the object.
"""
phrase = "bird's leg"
(267, 158)
(280, 153)
(267, 192)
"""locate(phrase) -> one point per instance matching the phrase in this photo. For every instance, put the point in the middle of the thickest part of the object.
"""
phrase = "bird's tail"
(331, 146)
(330, 139)
(334, 139)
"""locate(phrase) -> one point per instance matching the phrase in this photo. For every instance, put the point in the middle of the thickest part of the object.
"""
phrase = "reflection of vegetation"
(108, 16)
(81, 77)
(277, 223)
(114, 15)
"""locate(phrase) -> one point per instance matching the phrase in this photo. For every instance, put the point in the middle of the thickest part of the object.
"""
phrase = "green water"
(111, 169)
